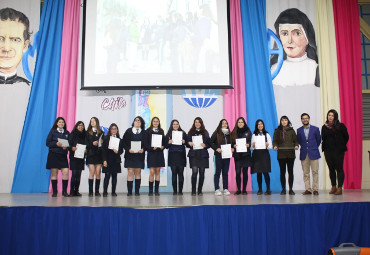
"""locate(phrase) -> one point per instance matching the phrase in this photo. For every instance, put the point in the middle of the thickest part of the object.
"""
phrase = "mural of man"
(14, 41)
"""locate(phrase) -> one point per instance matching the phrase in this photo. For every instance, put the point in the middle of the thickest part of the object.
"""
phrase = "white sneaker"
(218, 193)
(226, 192)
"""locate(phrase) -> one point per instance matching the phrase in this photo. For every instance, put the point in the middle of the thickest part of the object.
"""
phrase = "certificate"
(113, 143)
(64, 142)
(241, 145)
(80, 151)
(177, 137)
(260, 142)
(226, 151)
(156, 140)
(136, 146)
(197, 141)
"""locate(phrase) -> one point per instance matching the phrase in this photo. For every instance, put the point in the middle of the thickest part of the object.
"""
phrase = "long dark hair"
(336, 118)
(281, 128)
(75, 130)
(170, 129)
(234, 133)
(256, 130)
(98, 130)
(218, 131)
(161, 131)
(142, 126)
(55, 125)
(202, 128)
(109, 130)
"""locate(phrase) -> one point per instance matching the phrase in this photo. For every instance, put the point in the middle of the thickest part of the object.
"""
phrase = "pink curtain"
(235, 99)
(66, 107)
(347, 29)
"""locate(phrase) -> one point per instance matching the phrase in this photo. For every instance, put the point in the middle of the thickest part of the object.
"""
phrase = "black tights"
(177, 171)
(267, 180)
(75, 180)
(194, 178)
(238, 169)
(106, 182)
(284, 164)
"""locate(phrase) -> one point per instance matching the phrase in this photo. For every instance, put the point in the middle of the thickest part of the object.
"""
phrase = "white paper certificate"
(260, 142)
(99, 142)
(113, 143)
(226, 151)
(80, 151)
(64, 142)
(156, 140)
(241, 145)
(136, 146)
(176, 137)
(197, 141)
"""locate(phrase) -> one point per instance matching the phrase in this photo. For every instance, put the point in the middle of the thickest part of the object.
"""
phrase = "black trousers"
(334, 160)
(284, 164)
(238, 169)
(177, 171)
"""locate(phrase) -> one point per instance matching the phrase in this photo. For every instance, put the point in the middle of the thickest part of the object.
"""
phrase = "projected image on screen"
(161, 43)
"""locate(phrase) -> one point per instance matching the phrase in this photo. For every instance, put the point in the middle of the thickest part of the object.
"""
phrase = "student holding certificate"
(261, 162)
(111, 159)
(220, 137)
(133, 141)
(198, 142)
(154, 143)
(57, 156)
(241, 141)
(77, 140)
(285, 141)
(175, 143)
(94, 139)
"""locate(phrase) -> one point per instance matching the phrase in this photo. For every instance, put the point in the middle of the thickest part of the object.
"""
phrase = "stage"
(208, 224)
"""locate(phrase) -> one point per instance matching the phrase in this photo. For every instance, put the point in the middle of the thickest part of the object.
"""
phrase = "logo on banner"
(200, 98)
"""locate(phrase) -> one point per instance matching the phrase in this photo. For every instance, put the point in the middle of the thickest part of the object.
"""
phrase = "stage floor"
(167, 200)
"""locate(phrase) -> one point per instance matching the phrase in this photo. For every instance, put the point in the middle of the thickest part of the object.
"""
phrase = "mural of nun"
(297, 86)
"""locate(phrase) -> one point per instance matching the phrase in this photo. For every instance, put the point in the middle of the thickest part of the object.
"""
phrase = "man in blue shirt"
(309, 139)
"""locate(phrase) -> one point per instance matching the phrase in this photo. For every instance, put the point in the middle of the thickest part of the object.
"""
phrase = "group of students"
(100, 157)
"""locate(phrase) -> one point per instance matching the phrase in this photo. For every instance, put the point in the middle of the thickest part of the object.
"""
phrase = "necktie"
(137, 131)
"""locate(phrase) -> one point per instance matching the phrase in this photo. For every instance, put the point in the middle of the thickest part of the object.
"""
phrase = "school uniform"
(133, 160)
(57, 157)
(222, 165)
(177, 161)
(155, 158)
(113, 164)
(94, 153)
(76, 164)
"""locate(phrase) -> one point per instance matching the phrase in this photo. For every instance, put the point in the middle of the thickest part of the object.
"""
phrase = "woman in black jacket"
(155, 156)
(134, 161)
(219, 137)
(111, 160)
(94, 140)
(57, 156)
(334, 136)
(242, 159)
(78, 136)
(176, 156)
(198, 157)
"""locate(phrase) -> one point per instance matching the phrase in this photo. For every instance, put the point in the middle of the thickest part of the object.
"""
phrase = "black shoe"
(291, 192)
(54, 195)
(65, 194)
(200, 193)
(244, 192)
(137, 194)
(77, 194)
(237, 193)
(259, 192)
(193, 193)
(268, 192)
(156, 193)
(114, 194)
(129, 194)
(91, 194)
(97, 194)
(105, 194)
(283, 192)
(150, 193)
(180, 194)
(72, 194)
(174, 193)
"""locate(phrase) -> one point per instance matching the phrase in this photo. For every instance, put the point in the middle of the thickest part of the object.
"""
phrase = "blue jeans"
(222, 165)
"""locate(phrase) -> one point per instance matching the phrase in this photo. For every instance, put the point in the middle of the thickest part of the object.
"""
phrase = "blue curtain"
(30, 173)
(259, 91)
(260, 229)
